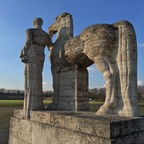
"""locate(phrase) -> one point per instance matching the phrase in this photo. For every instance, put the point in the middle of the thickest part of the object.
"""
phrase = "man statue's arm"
(28, 39)
(50, 43)
(27, 45)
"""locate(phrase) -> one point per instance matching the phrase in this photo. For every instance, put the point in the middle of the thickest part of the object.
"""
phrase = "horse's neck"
(65, 31)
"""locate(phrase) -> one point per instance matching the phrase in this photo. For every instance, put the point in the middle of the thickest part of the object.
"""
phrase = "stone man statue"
(32, 55)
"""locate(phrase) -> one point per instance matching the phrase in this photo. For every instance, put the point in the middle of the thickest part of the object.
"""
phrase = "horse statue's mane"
(62, 15)
(112, 48)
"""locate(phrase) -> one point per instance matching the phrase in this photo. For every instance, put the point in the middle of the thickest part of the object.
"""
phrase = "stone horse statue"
(112, 48)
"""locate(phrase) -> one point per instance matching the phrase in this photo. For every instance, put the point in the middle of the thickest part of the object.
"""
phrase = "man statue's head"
(37, 23)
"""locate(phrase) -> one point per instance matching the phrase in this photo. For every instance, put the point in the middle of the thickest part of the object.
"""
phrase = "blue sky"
(17, 16)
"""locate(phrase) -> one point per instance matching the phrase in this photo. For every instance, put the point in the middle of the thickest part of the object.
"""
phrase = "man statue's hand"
(23, 55)
(24, 59)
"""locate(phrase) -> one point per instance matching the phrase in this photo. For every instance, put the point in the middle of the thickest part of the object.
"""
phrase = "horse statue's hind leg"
(113, 100)
(113, 50)
(100, 46)
(127, 64)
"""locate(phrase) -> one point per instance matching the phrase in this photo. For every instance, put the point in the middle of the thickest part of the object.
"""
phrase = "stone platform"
(59, 127)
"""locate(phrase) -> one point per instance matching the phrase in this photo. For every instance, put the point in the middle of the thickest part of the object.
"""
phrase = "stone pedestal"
(57, 127)
(72, 90)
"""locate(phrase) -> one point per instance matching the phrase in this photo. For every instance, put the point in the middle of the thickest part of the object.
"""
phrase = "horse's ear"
(64, 14)
(56, 18)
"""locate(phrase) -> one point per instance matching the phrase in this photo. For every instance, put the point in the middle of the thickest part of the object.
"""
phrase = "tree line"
(97, 94)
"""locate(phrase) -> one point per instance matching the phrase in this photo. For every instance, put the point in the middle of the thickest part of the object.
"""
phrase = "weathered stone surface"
(67, 78)
(112, 48)
(13, 140)
(104, 126)
(19, 113)
(61, 127)
(33, 57)
(20, 129)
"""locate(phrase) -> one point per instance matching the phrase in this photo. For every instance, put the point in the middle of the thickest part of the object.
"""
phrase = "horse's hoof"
(104, 111)
(128, 113)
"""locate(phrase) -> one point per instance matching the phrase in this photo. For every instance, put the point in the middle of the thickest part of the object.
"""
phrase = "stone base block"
(59, 127)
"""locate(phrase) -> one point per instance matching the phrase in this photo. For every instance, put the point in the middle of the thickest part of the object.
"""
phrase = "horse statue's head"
(63, 26)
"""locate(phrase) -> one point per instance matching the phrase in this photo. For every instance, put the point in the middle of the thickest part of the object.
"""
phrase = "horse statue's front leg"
(55, 69)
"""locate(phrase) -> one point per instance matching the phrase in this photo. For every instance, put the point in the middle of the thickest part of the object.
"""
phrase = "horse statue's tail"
(127, 65)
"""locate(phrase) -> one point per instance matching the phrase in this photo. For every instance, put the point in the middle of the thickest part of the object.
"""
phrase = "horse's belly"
(98, 40)
(94, 48)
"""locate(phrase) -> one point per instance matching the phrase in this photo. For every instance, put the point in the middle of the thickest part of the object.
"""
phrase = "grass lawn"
(6, 111)
(11, 103)
(7, 107)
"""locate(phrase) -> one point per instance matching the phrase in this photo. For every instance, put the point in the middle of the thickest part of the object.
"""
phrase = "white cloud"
(103, 86)
(45, 83)
(47, 86)
(1, 86)
(92, 87)
(140, 45)
(140, 83)
(92, 69)
(7, 86)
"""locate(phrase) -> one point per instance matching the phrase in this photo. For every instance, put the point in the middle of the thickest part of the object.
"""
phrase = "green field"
(11, 103)
(7, 107)
(16, 103)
